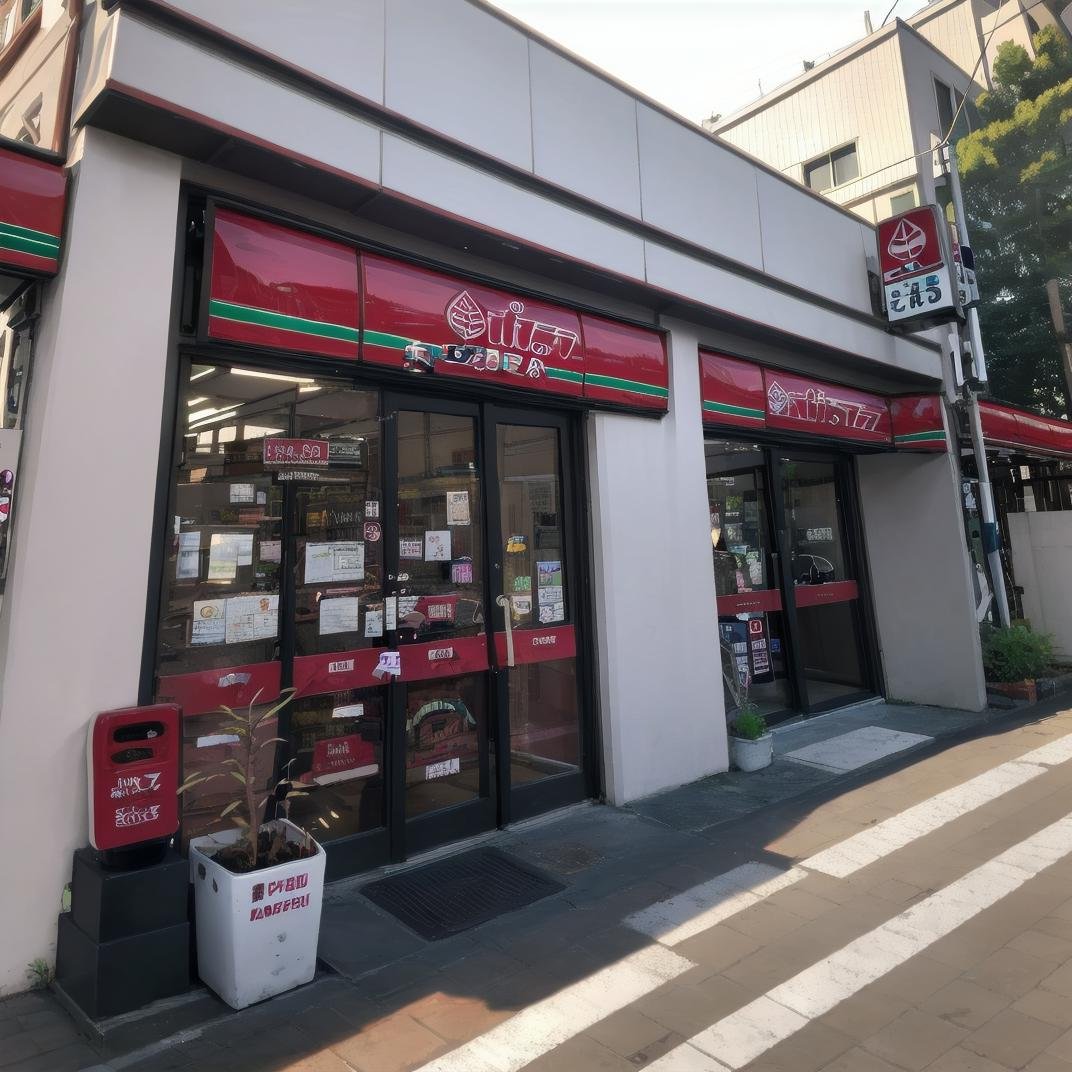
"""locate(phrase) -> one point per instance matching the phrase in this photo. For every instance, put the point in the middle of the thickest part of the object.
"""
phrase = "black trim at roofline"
(158, 12)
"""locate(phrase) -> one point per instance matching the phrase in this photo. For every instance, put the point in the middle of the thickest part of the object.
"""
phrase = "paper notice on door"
(549, 594)
(339, 615)
(390, 605)
(209, 625)
(222, 557)
(372, 508)
(410, 549)
(188, 562)
(327, 562)
(437, 546)
(253, 617)
(244, 545)
(461, 572)
(243, 493)
(443, 769)
(552, 612)
(458, 508)
(271, 550)
(373, 623)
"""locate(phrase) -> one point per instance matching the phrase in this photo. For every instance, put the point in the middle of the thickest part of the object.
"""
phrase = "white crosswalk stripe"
(697, 909)
(752, 1030)
(541, 1027)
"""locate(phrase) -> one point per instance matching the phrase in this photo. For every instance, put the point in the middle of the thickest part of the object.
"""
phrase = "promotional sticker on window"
(327, 562)
(411, 549)
(549, 573)
(437, 546)
(458, 508)
(461, 572)
(210, 622)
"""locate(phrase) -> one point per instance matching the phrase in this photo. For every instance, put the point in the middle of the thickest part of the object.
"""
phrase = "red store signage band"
(278, 287)
(738, 394)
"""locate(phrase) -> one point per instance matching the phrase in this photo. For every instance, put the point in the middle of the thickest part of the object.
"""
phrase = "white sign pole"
(975, 338)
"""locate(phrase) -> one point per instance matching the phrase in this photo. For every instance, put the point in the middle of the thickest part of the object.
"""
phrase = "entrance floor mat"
(856, 749)
(456, 894)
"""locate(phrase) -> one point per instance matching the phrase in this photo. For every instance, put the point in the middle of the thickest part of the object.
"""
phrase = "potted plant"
(258, 888)
(1014, 658)
(751, 743)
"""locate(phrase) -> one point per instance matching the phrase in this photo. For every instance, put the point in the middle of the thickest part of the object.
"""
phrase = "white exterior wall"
(921, 579)
(1042, 564)
(660, 672)
(74, 610)
(953, 27)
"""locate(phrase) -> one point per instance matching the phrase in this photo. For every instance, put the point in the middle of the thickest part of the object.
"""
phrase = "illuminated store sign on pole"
(918, 279)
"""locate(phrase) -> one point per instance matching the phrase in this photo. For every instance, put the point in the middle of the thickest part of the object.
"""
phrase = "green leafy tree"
(1017, 174)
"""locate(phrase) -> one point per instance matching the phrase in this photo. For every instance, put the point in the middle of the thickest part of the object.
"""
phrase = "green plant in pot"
(1013, 658)
(258, 887)
(751, 742)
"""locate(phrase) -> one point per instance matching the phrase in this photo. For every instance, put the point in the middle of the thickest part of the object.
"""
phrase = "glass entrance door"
(536, 611)
(446, 779)
(792, 628)
(822, 569)
(748, 583)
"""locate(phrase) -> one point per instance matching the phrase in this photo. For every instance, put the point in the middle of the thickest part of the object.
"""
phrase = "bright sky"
(702, 56)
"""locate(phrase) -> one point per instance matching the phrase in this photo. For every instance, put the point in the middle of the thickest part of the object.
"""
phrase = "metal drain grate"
(454, 895)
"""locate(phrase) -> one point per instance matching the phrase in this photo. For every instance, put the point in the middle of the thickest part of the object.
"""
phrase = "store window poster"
(188, 561)
(549, 574)
(339, 615)
(437, 545)
(458, 508)
(411, 549)
(340, 561)
(461, 572)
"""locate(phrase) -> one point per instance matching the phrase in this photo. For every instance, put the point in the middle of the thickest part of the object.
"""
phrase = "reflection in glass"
(747, 587)
(338, 760)
(829, 637)
(440, 514)
(445, 725)
(545, 736)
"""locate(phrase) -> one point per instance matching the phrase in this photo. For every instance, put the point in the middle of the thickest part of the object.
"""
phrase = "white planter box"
(752, 755)
(256, 932)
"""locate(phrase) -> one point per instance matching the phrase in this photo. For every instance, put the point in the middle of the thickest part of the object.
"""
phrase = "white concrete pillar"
(660, 677)
(921, 578)
(74, 612)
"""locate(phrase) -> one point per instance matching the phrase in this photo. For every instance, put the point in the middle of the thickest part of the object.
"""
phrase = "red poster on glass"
(340, 758)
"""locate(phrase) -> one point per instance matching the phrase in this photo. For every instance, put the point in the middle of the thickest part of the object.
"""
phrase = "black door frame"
(523, 802)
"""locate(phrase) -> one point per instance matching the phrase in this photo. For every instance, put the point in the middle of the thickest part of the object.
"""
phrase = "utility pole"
(1057, 315)
(991, 537)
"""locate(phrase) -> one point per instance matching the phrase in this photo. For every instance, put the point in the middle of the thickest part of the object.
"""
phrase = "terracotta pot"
(1015, 690)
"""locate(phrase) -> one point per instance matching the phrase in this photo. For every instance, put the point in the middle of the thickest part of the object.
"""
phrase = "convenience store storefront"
(376, 499)
(795, 616)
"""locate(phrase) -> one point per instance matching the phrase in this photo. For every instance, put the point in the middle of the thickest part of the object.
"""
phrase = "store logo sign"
(496, 341)
(814, 406)
(907, 242)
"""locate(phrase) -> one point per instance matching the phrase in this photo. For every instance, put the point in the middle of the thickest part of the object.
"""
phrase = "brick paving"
(992, 995)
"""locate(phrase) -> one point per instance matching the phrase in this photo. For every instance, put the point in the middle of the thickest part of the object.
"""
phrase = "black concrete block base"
(107, 903)
(109, 978)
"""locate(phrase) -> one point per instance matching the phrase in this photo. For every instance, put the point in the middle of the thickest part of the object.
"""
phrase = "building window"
(832, 169)
(902, 202)
(954, 113)
(29, 7)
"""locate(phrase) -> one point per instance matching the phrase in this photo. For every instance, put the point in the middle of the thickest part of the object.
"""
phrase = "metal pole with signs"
(991, 536)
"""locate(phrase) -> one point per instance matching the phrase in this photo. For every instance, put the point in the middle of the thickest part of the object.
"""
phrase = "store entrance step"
(456, 894)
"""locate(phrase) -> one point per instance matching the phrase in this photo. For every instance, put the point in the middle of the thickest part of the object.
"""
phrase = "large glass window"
(832, 169)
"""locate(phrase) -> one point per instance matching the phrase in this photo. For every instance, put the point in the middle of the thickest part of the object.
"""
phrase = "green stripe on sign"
(14, 237)
(382, 338)
(248, 314)
(564, 374)
(613, 383)
(734, 411)
(29, 246)
(921, 437)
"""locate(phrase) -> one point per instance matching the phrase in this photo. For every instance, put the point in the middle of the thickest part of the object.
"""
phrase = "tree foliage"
(1017, 175)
